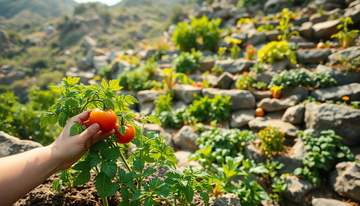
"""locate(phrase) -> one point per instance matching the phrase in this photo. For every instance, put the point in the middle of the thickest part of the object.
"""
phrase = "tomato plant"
(106, 119)
(128, 135)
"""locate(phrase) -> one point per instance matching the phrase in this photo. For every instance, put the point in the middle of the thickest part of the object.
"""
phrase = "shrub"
(206, 109)
(346, 38)
(167, 117)
(217, 70)
(187, 62)
(285, 26)
(135, 80)
(47, 78)
(275, 51)
(245, 82)
(272, 141)
(266, 27)
(259, 85)
(41, 62)
(42, 100)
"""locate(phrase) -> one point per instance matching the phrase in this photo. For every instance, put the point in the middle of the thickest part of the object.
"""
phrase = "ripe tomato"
(106, 119)
(87, 123)
(129, 134)
(276, 95)
(259, 112)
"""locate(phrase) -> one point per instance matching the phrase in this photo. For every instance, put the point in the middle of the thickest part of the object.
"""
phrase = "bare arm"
(21, 173)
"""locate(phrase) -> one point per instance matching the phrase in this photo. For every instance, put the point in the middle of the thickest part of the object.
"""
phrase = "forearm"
(21, 173)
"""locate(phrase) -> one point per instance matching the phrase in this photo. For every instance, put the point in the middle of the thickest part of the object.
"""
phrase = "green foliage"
(235, 49)
(266, 27)
(106, 71)
(257, 68)
(15, 37)
(215, 145)
(348, 63)
(321, 154)
(247, 3)
(346, 38)
(245, 82)
(272, 166)
(176, 13)
(163, 112)
(23, 121)
(279, 187)
(41, 63)
(151, 66)
(42, 100)
(187, 62)
(202, 31)
(298, 77)
(272, 141)
(285, 26)
(217, 70)
(275, 51)
(135, 80)
(259, 85)
(207, 110)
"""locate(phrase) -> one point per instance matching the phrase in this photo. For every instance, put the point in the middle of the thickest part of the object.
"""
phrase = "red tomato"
(106, 119)
(259, 112)
(129, 134)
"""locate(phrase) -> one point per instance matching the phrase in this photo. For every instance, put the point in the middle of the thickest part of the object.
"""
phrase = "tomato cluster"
(108, 121)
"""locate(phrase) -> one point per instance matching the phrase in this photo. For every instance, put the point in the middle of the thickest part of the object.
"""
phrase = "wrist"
(56, 157)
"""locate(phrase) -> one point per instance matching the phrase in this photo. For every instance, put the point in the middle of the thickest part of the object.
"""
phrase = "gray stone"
(306, 45)
(328, 202)
(342, 77)
(225, 80)
(179, 105)
(4, 38)
(169, 141)
(270, 3)
(259, 95)
(225, 200)
(241, 99)
(240, 36)
(336, 93)
(207, 65)
(297, 39)
(312, 55)
(10, 145)
(223, 13)
(306, 30)
(343, 120)
(146, 108)
(203, 11)
(241, 118)
(183, 157)
(351, 52)
(89, 42)
(119, 68)
(260, 123)
(186, 92)
(300, 20)
(229, 23)
(146, 54)
(99, 62)
(237, 11)
(272, 104)
(235, 66)
(345, 180)
(256, 38)
(148, 127)
(148, 96)
(85, 76)
(303, 91)
(185, 138)
(272, 35)
(83, 63)
(295, 114)
(324, 30)
(297, 188)
(317, 18)
(278, 66)
(265, 76)
(354, 14)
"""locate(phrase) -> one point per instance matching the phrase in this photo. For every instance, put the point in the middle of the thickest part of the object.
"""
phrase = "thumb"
(89, 132)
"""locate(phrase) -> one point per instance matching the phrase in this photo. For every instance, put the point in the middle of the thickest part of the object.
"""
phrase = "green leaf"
(298, 171)
(102, 184)
(149, 171)
(104, 84)
(109, 168)
(114, 85)
(49, 119)
(189, 193)
(110, 153)
(94, 161)
(82, 178)
(62, 120)
(130, 99)
(56, 185)
(139, 194)
(148, 201)
(138, 164)
(205, 197)
(83, 166)
(112, 189)
(122, 130)
(259, 170)
(124, 194)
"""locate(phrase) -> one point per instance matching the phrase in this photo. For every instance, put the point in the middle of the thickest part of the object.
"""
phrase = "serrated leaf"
(56, 185)
(62, 120)
(148, 201)
(82, 178)
(112, 189)
(122, 130)
(138, 164)
(149, 171)
(109, 168)
(130, 185)
(83, 166)
(49, 119)
(104, 84)
(110, 153)
(115, 85)
(205, 197)
(189, 193)
(130, 99)
(102, 183)
(139, 194)
(124, 194)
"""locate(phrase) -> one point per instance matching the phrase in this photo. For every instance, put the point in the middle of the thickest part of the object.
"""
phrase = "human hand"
(71, 149)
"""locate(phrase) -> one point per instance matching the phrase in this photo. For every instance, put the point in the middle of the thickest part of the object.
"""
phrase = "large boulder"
(89, 42)
(235, 66)
(342, 77)
(185, 138)
(186, 93)
(324, 30)
(342, 119)
(302, 91)
(223, 13)
(328, 202)
(336, 93)
(99, 62)
(10, 145)
(146, 100)
(345, 180)
(241, 118)
(271, 104)
(240, 99)
(351, 52)
(224, 81)
(354, 14)
(316, 56)
(295, 114)
(255, 38)
(297, 188)
(260, 123)
(4, 38)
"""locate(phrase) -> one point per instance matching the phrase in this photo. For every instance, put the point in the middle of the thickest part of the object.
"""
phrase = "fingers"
(84, 116)
(102, 135)
(89, 132)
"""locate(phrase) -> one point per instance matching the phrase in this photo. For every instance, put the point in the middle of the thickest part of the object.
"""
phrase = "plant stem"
(166, 200)
(94, 100)
(105, 201)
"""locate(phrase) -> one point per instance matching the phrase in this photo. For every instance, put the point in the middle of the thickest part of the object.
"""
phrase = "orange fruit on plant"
(259, 112)
(276, 95)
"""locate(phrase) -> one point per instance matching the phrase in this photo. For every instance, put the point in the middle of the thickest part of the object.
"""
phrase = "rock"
(179, 105)
(270, 3)
(317, 18)
(354, 14)
(10, 145)
(278, 66)
(328, 202)
(183, 157)
(312, 55)
(119, 68)
(83, 63)
(8, 75)
(345, 180)
(324, 30)
(225, 80)
(306, 30)
(185, 138)
(34, 41)
(306, 45)
(169, 141)
(89, 42)
(294, 115)
(343, 120)
(240, 36)
(241, 118)
(146, 54)
(49, 29)
(259, 95)
(153, 128)
(223, 13)
(99, 62)
(256, 38)
(336, 93)
(303, 91)
(351, 52)
(241, 99)
(229, 23)
(342, 77)
(85, 76)
(146, 108)
(297, 188)
(300, 20)
(265, 76)
(146, 100)
(207, 65)
(186, 93)
(203, 11)
(4, 38)
(260, 123)
(234, 12)
(225, 200)
(235, 66)
(272, 35)
(271, 104)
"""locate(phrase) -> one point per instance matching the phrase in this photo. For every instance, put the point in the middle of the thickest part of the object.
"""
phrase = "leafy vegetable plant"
(275, 51)
(259, 85)
(187, 62)
(285, 26)
(346, 37)
(163, 112)
(245, 82)
(272, 141)
(235, 49)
